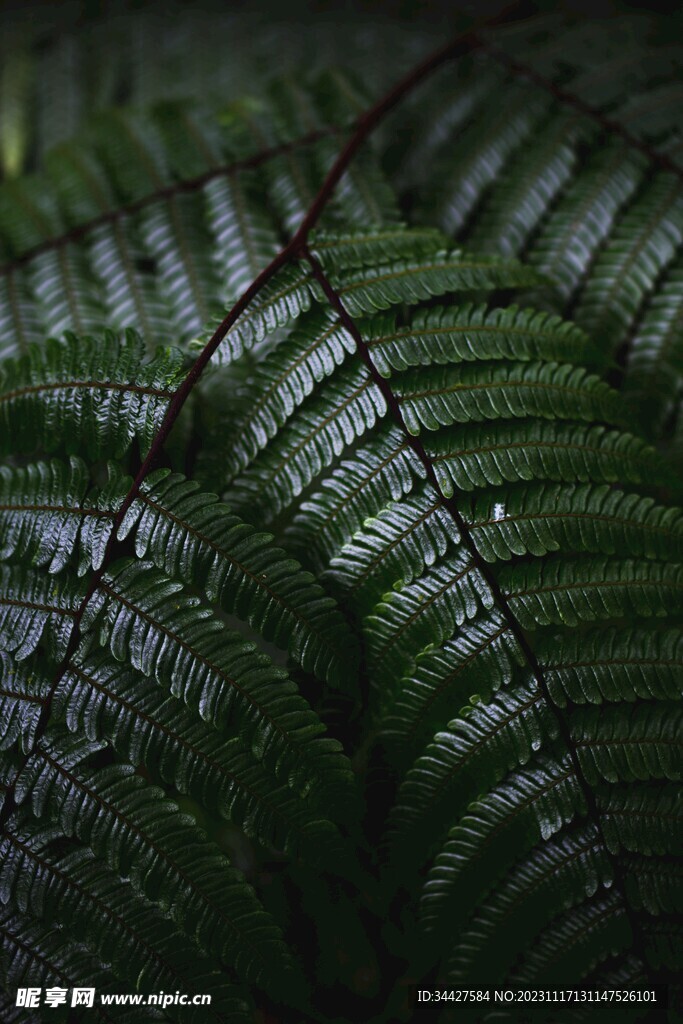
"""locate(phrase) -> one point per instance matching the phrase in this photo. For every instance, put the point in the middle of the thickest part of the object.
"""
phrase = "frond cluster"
(406, 493)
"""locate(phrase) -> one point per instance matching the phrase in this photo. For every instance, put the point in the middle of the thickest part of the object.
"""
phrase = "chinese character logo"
(28, 997)
(83, 997)
(55, 997)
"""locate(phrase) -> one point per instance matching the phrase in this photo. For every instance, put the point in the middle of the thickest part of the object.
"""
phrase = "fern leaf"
(533, 804)
(584, 216)
(365, 291)
(472, 332)
(473, 456)
(485, 146)
(483, 744)
(47, 512)
(147, 622)
(86, 396)
(550, 390)
(244, 235)
(536, 176)
(39, 954)
(479, 660)
(566, 593)
(128, 824)
(641, 247)
(563, 872)
(612, 665)
(283, 380)
(22, 696)
(396, 546)
(602, 520)
(82, 892)
(619, 745)
(36, 608)
(192, 537)
(639, 820)
(425, 611)
(575, 943)
(310, 442)
(98, 697)
(384, 470)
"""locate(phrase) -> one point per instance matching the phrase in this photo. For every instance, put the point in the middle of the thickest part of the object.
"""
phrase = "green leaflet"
(48, 512)
(473, 455)
(538, 172)
(629, 268)
(368, 289)
(575, 942)
(395, 547)
(655, 358)
(481, 745)
(78, 888)
(612, 665)
(534, 803)
(567, 592)
(470, 333)
(425, 611)
(144, 619)
(34, 609)
(441, 398)
(128, 823)
(378, 245)
(90, 397)
(561, 873)
(410, 281)
(22, 694)
(36, 953)
(384, 470)
(623, 744)
(280, 383)
(100, 697)
(478, 660)
(601, 520)
(198, 540)
(282, 300)
(639, 819)
(325, 425)
(46, 516)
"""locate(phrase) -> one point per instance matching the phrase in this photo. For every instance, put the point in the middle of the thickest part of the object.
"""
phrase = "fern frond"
(437, 520)
(147, 621)
(567, 592)
(472, 332)
(550, 390)
(82, 891)
(142, 838)
(562, 873)
(194, 538)
(39, 954)
(98, 697)
(612, 665)
(623, 746)
(533, 804)
(310, 442)
(36, 608)
(643, 244)
(48, 511)
(576, 942)
(479, 660)
(486, 741)
(476, 455)
(637, 819)
(86, 396)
